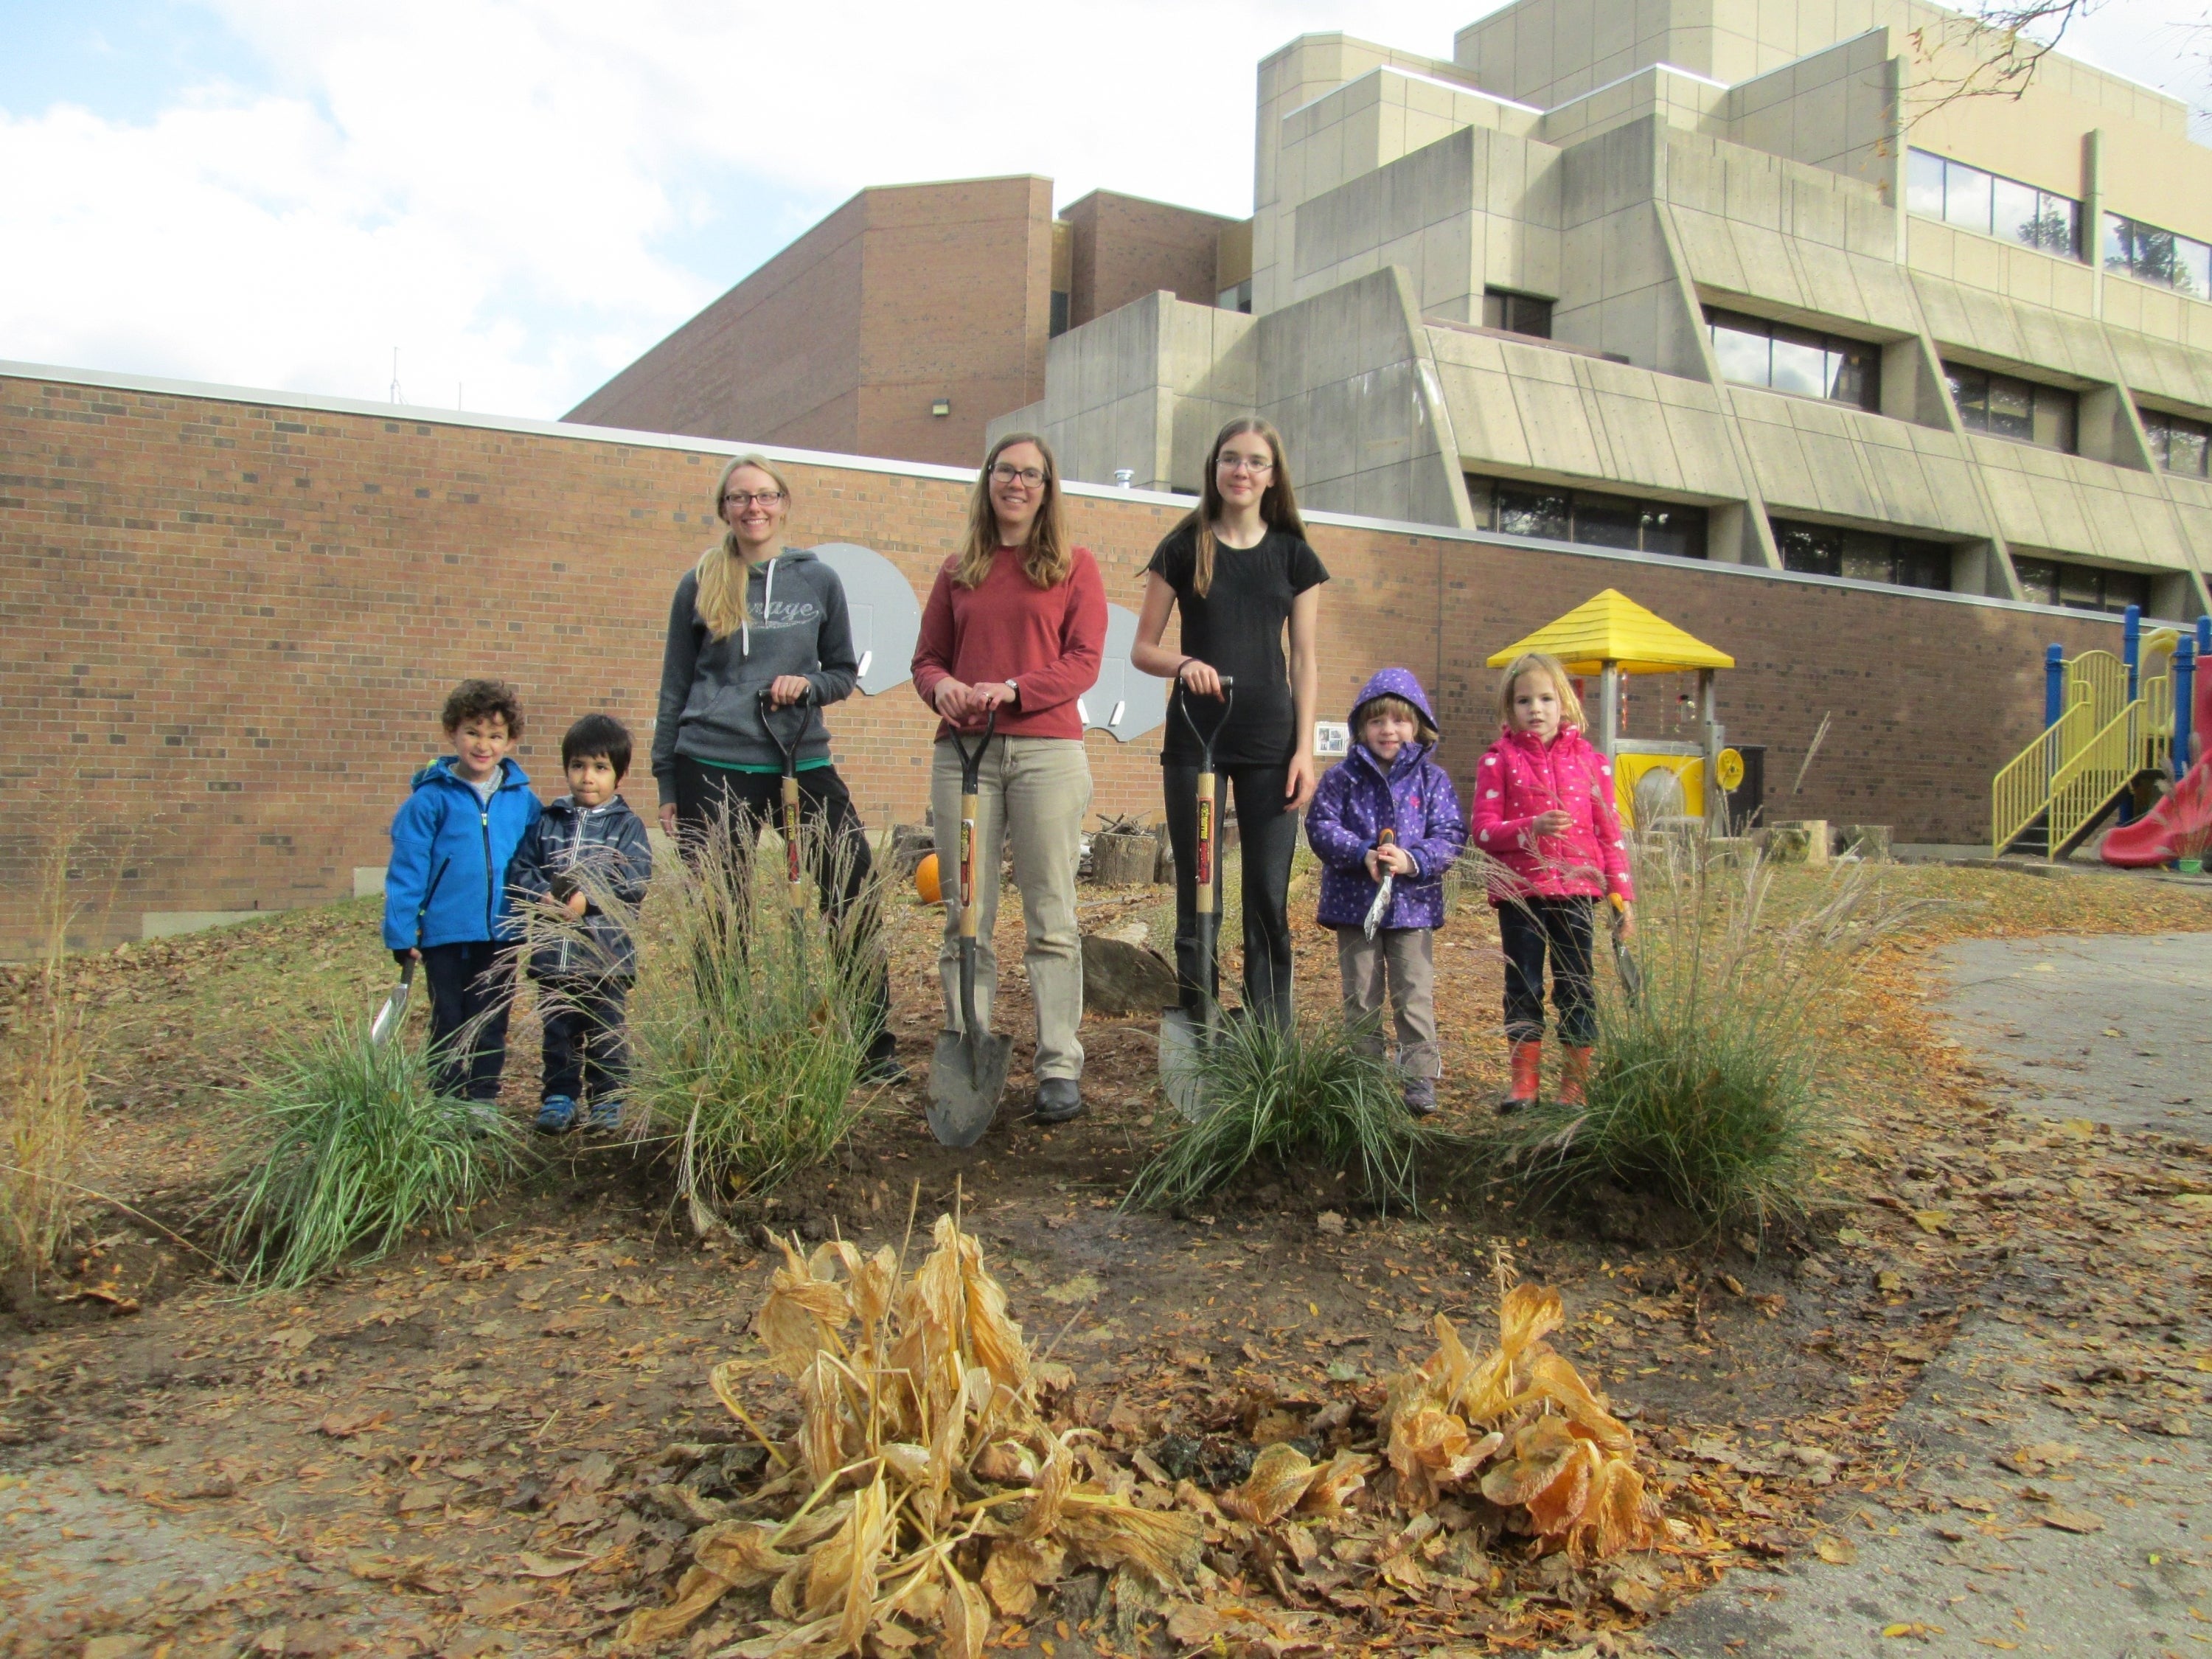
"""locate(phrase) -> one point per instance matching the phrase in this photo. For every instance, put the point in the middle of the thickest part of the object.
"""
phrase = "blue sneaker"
(557, 1115)
(606, 1114)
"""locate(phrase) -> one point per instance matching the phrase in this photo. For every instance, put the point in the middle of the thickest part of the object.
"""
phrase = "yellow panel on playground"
(1629, 769)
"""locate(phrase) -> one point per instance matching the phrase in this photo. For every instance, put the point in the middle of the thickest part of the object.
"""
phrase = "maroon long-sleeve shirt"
(1046, 640)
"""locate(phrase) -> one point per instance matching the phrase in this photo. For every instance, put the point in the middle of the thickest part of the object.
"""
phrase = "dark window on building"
(1936, 187)
(2023, 411)
(2081, 587)
(2151, 255)
(1516, 313)
(1058, 312)
(1552, 514)
(1820, 550)
(1238, 298)
(1752, 352)
(2178, 444)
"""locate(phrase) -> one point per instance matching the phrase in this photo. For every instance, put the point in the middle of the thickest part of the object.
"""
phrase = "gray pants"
(1405, 959)
(1033, 793)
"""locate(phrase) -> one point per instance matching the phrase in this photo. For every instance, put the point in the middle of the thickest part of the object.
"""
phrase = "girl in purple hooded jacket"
(1388, 809)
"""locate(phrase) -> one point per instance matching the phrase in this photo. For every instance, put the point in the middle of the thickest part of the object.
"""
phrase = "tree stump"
(1124, 860)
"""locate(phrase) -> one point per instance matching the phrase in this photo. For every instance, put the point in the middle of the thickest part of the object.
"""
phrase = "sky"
(521, 197)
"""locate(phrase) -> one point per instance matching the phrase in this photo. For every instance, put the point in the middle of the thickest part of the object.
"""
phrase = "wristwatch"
(1016, 690)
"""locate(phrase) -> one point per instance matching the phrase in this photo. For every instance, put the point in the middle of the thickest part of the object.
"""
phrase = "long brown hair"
(1046, 557)
(1278, 504)
(722, 567)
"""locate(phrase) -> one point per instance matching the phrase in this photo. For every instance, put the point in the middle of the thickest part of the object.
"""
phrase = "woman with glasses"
(1016, 625)
(755, 615)
(1240, 571)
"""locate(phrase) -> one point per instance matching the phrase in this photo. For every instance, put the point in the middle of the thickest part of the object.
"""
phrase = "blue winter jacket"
(447, 883)
(1358, 800)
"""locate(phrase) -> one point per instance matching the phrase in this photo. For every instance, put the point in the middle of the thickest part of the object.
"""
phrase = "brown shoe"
(1528, 1059)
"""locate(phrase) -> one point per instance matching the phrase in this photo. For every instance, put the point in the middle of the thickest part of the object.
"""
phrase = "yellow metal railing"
(2074, 767)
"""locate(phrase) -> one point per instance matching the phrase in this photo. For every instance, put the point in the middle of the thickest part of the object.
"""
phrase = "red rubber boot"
(1574, 1074)
(1528, 1060)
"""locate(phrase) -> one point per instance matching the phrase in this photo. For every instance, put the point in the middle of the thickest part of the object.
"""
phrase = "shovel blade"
(389, 1016)
(967, 1075)
(1631, 977)
(1184, 1039)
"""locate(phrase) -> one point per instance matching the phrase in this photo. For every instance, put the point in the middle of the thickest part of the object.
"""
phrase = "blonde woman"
(1017, 623)
(1239, 570)
(751, 615)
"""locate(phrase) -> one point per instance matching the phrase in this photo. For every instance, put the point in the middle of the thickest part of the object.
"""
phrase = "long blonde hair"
(1542, 662)
(723, 569)
(1046, 557)
(1278, 503)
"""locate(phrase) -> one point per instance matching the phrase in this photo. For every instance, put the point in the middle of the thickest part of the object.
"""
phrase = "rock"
(1802, 841)
(1120, 979)
(910, 844)
(1124, 860)
(1869, 841)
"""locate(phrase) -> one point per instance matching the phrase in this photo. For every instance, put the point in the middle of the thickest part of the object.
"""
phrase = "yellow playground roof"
(1612, 628)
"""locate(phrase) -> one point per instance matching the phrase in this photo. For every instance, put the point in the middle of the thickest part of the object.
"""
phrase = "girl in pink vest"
(1544, 809)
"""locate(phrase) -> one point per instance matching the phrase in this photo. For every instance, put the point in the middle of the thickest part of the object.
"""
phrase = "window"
(1238, 298)
(1058, 324)
(2151, 255)
(2176, 444)
(1752, 352)
(1580, 515)
(2081, 587)
(1819, 550)
(2003, 407)
(1936, 187)
(1516, 313)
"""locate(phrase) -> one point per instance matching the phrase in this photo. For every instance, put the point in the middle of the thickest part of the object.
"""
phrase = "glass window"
(2178, 444)
(1967, 196)
(2025, 411)
(2081, 587)
(1812, 549)
(1924, 184)
(2015, 211)
(1752, 351)
(1919, 565)
(2038, 579)
(1516, 313)
(1867, 555)
(1936, 187)
(2151, 255)
(1587, 517)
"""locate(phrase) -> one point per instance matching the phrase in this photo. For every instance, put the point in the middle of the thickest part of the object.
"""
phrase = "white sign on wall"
(1332, 739)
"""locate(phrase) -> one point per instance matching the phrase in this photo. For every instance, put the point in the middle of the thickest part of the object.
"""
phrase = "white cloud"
(522, 196)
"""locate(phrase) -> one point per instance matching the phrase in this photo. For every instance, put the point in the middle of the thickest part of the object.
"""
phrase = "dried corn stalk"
(923, 1487)
(1551, 1446)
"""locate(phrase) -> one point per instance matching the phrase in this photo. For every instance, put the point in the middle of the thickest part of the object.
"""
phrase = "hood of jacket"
(1396, 683)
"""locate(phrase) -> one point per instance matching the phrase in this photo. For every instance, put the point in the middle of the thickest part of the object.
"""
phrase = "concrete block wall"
(230, 617)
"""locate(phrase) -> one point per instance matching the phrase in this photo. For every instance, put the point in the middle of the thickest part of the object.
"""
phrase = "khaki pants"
(1406, 958)
(1033, 792)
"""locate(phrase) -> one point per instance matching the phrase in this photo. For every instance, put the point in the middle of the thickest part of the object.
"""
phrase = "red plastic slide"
(2155, 838)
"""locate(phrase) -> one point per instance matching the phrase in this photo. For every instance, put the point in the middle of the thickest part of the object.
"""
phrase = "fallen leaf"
(1836, 1551)
(2033, 1460)
(1913, 1628)
(348, 1421)
(1329, 1222)
(1932, 1221)
(544, 1566)
(1084, 1287)
(2071, 1519)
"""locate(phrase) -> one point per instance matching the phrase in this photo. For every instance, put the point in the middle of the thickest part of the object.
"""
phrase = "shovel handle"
(791, 839)
(1202, 857)
(971, 806)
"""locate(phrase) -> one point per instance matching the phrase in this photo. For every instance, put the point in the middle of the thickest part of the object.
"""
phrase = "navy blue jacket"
(447, 883)
(608, 848)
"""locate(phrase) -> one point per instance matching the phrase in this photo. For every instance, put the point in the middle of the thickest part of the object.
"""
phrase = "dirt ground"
(451, 1450)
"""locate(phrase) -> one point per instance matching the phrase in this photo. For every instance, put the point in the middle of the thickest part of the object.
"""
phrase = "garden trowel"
(395, 1007)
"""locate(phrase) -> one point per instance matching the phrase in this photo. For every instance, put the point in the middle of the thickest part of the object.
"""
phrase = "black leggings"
(752, 799)
(1267, 832)
(1526, 927)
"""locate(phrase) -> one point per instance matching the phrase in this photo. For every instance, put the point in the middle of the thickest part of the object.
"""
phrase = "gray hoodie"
(795, 623)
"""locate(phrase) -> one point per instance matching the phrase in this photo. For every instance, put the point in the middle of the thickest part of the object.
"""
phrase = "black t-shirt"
(1236, 627)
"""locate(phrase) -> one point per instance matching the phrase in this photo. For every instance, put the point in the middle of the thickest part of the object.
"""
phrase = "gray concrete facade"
(1640, 166)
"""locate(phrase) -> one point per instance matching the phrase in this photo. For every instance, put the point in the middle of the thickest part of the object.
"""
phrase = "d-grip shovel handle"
(1202, 860)
(790, 752)
(971, 768)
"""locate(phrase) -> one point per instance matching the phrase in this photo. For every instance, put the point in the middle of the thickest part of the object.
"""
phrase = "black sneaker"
(884, 1068)
(1058, 1099)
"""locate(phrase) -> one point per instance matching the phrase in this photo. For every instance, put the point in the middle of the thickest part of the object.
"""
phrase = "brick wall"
(228, 625)
(1125, 247)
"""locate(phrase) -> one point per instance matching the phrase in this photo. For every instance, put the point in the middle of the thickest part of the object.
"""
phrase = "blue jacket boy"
(447, 883)
(607, 846)
(1358, 800)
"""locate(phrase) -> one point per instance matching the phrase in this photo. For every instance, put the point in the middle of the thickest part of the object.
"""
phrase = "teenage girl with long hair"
(1239, 570)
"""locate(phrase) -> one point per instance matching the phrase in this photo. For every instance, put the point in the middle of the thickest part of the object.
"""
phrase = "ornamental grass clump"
(1293, 1094)
(45, 1091)
(357, 1146)
(922, 1492)
(751, 1023)
(1705, 1083)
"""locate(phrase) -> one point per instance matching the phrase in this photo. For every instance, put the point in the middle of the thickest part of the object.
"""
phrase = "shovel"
(967, 1072)
(790, 753)
(1624, 961)
(1185, 1035)
(395, 1007)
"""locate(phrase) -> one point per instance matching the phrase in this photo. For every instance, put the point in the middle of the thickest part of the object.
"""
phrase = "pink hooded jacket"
(1520, 776)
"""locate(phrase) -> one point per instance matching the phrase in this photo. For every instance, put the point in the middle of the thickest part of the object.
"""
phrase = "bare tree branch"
(1993, 52)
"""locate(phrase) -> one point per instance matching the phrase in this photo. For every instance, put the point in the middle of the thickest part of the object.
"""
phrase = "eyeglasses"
(742, 499)
(1029, 477)
(1258, 469)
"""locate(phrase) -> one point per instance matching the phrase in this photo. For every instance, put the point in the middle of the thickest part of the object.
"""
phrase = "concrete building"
(1720, 279)
(899, 324)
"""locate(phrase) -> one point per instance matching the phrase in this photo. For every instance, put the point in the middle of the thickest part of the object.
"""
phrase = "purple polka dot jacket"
(1359, 798)
(1521, 777)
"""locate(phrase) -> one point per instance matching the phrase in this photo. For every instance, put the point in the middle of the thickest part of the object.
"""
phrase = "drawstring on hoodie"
(744, 613)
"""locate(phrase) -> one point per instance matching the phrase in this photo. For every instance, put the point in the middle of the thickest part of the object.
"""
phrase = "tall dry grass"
(44, 1088)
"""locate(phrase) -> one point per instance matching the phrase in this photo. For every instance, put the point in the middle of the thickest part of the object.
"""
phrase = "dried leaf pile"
(923, 1489)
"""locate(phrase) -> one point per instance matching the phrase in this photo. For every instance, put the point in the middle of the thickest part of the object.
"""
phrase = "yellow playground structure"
(1611, 637)
(2108, 729)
